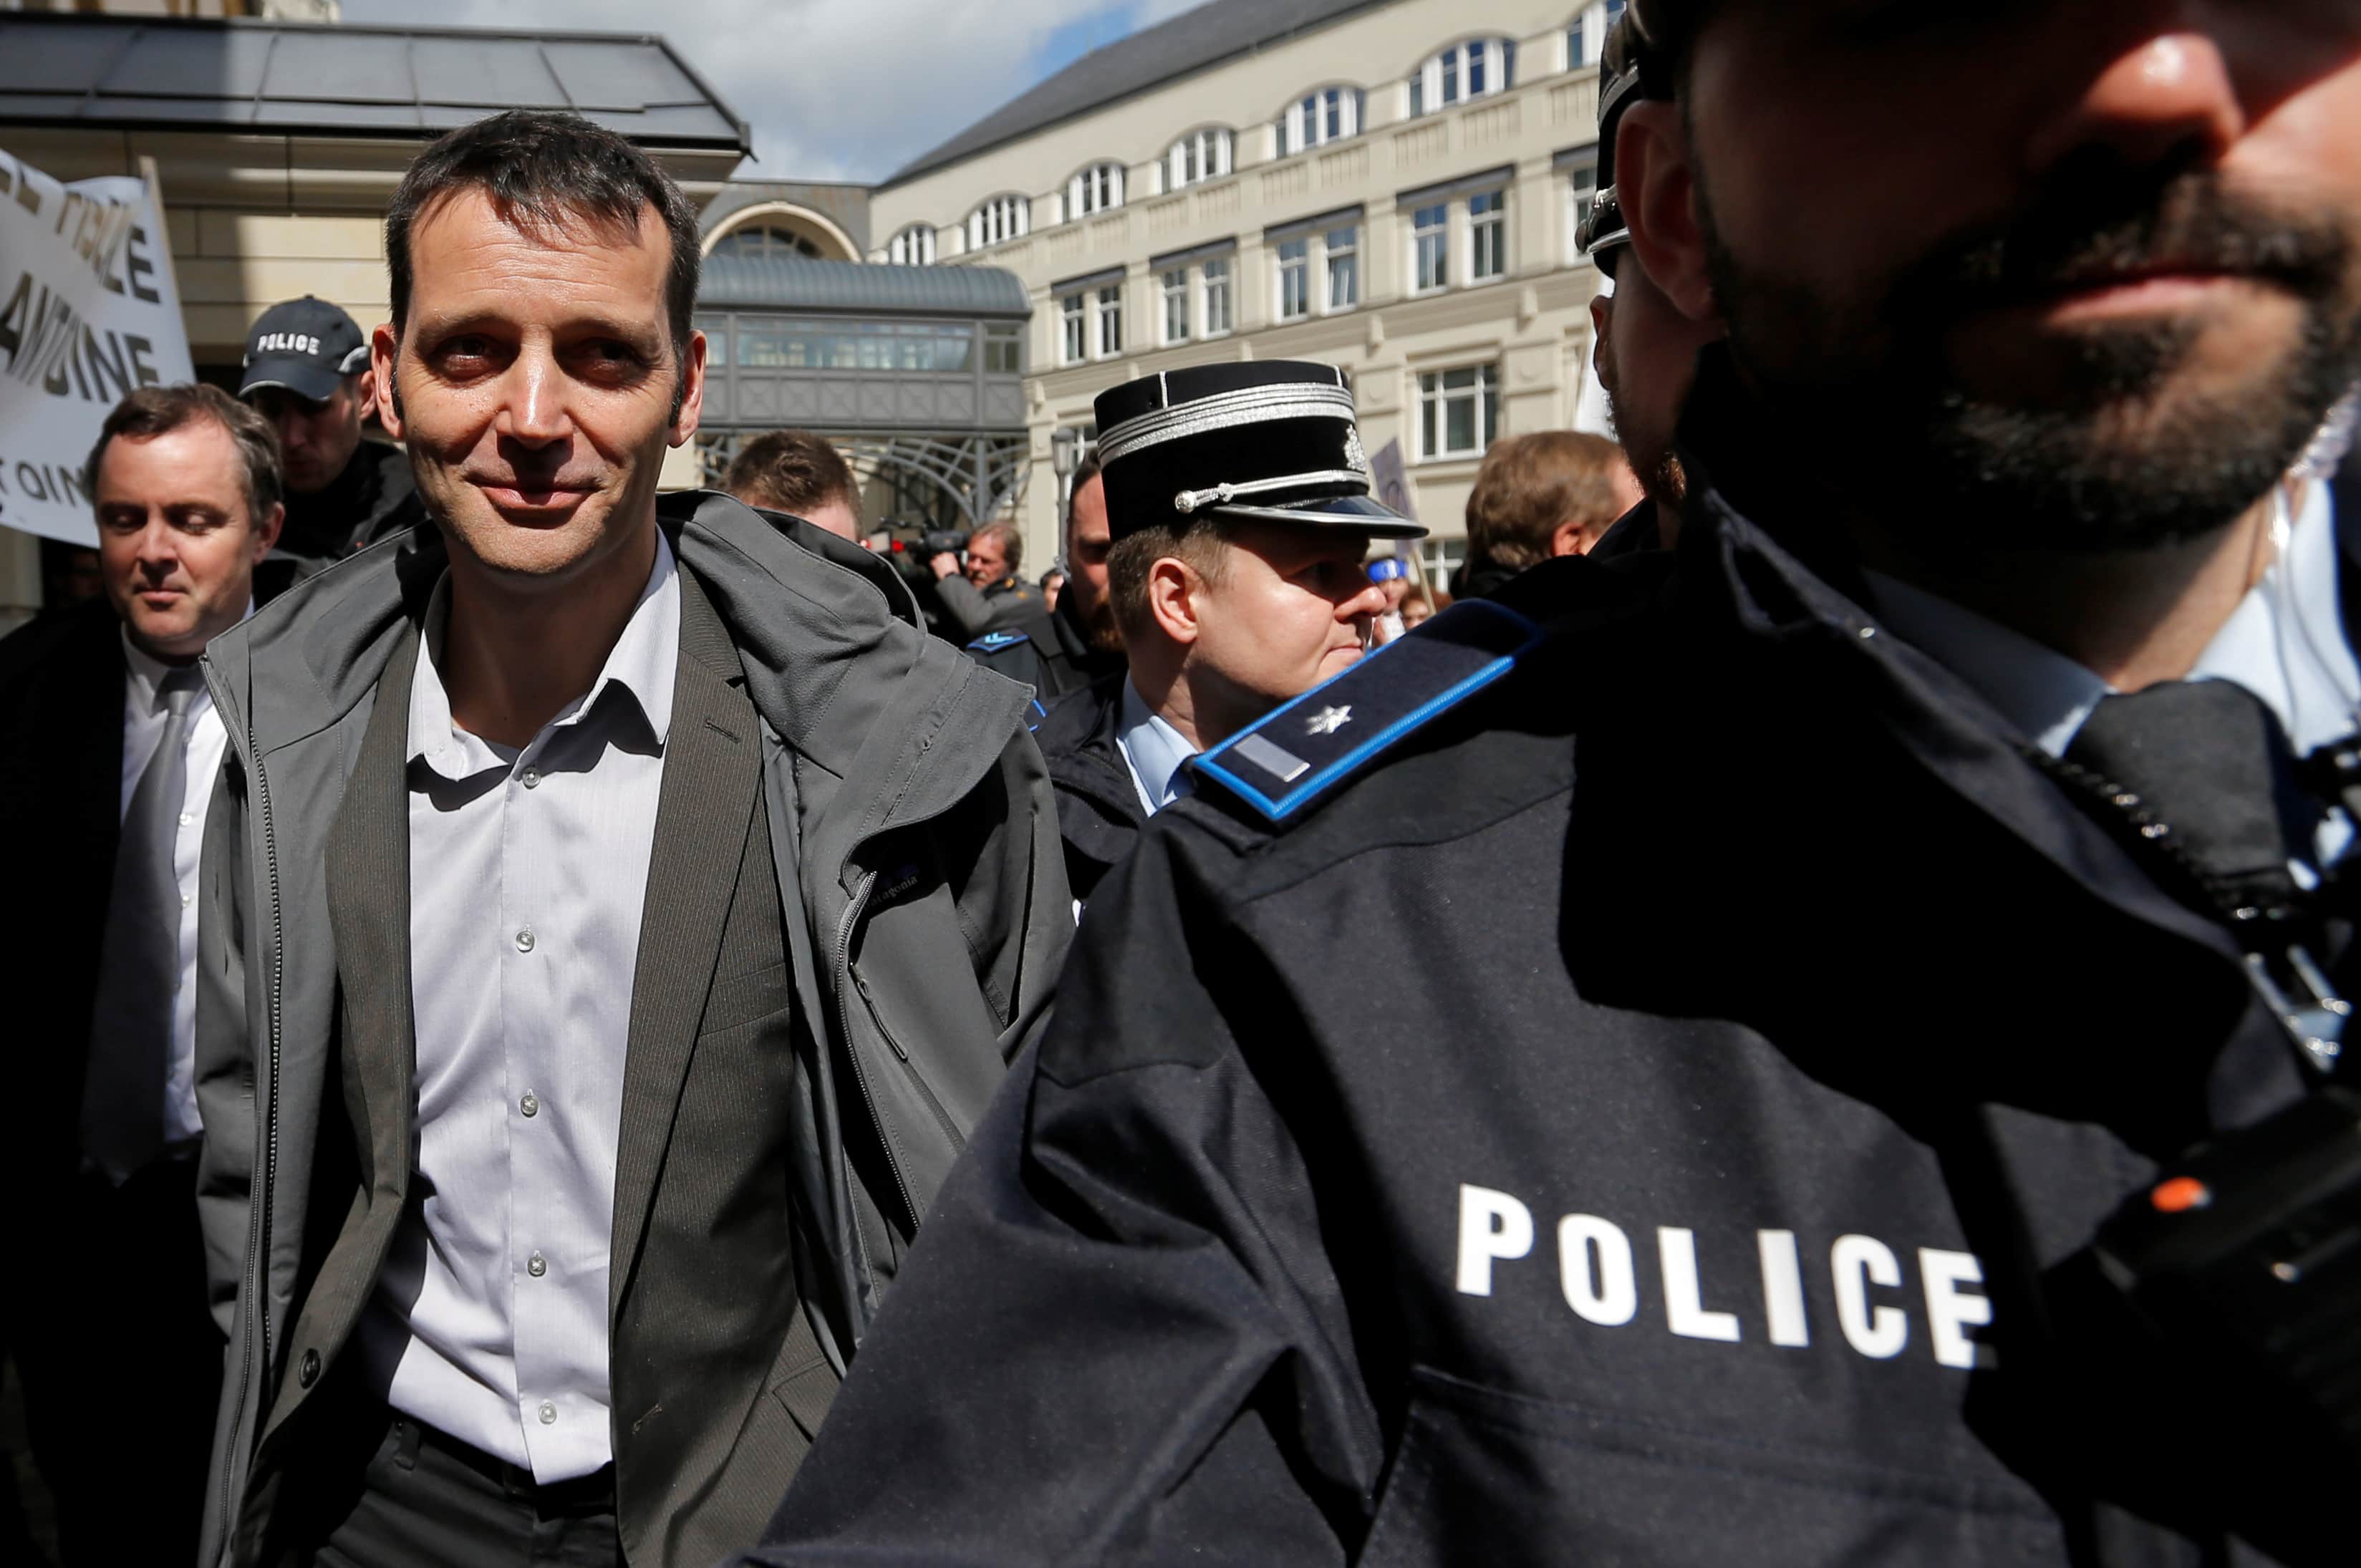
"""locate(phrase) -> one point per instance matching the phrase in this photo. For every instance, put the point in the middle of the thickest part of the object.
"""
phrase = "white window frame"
(1295, 269)
(1581, 191)
(1436, 395)
(1174, 283)
(1443, 554)
(1107, 321)
(1470, 69)
(914, 247)
(1348, 253)
(1319, 117)
(1217, 312)
(1586, 39)
(1430, 238)
(1496, 219)
(1197, 156)
(998, 220)
(1073, 329)
(1098, 189)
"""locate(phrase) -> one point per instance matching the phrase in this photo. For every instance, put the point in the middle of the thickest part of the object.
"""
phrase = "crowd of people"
(1792, 1012)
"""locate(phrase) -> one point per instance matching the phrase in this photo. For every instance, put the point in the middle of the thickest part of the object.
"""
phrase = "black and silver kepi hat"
(1270, 439)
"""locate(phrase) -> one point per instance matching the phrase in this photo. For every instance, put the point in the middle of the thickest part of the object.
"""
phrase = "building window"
(1329, 115)
(1343, 267)
(1442, 557)
(1001, 219)
(1459, 412)
(1203, 155)
(1475, 69)
(1294, 279)
(1176, 305)
(1004, 350)
(1094, 190)
(1585, 42)
(1430, 237)
(763, 241)
(1219, 317)
(914, 247)
(1075, 329)
(1581, 191)
(1110, 320)
(1487, 235)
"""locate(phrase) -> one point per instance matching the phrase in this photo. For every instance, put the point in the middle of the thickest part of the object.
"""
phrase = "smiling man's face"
(2085, 275)
(537, 386)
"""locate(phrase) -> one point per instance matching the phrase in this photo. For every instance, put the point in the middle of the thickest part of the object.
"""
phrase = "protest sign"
(88, 310)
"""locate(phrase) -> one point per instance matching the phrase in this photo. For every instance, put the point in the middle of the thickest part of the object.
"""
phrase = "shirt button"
(188, 819)
(530, 778)
(530, 1105)
(187, 899)
(524, 940)
(537, 1266)
(548, 1414)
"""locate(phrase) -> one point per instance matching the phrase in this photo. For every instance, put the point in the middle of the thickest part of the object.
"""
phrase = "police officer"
(1685, 1064)
(1076, 642)
(307, 371)
(1239, 503)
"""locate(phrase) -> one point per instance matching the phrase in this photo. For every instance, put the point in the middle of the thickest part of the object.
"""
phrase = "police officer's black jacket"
(1098, 813)
(1592, 1131)
(375, 498)
(1050, 652)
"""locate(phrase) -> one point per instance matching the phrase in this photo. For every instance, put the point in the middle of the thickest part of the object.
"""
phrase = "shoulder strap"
(993, 641)
(1303, 750)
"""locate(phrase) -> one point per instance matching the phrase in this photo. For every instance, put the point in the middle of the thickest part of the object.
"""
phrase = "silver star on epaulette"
(1328, 720)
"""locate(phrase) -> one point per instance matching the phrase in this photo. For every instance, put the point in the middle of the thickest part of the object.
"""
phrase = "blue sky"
(833, 89)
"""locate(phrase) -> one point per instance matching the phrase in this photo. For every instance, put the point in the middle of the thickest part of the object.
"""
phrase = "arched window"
(1475, 69)
(1586, 39)
(1203, 155)
(1330, 114)
(1001, 218)
(761, 240)
(914, 247)
(1094, 190)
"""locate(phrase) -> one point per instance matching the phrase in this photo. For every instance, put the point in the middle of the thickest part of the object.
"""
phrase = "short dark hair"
(151, 412)
(540, 167)
(1530, 484)
(1202, 544)
(792, 471)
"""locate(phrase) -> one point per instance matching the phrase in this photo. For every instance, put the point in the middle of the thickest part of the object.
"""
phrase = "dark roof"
(300, 79)
(1188, 43)
(860, 288)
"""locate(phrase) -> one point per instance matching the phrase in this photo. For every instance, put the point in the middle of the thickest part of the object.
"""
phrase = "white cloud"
(833, 89)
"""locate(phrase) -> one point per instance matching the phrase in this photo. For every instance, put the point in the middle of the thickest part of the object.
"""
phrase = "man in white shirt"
(111, 747)
(1253, 593)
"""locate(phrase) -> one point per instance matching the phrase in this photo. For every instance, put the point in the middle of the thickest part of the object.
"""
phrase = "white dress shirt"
(202, 742)
(2285, 644)
(1153, 750)
(528, 869)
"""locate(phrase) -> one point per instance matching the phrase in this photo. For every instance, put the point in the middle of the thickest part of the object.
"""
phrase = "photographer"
(986, 595)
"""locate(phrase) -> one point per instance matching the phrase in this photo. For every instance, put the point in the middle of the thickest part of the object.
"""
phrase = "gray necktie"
(139, 958)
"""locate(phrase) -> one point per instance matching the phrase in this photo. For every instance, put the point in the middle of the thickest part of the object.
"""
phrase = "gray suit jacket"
(717, 1381)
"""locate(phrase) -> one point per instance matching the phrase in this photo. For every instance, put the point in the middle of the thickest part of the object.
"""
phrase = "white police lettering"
(286, 343)
(1491, 1225)
(1599, 1278)
(1856, 1262)
(1609, 1296)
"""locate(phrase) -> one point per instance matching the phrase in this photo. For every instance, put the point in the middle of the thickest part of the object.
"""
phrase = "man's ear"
(689, 403)
(1656, 184)
(385, 350)
(1172, 587)
(266, 532)
(1569, 539)
(365, 391)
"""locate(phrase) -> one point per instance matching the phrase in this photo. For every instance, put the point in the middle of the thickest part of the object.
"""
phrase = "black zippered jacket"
(1099, 814)
(1642, 1110)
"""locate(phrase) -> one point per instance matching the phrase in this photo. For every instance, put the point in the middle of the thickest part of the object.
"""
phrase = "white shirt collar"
(642, 664)
(2285, 642)
(1154, 752)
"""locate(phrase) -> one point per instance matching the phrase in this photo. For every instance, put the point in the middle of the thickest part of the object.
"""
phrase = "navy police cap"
(1272, 439)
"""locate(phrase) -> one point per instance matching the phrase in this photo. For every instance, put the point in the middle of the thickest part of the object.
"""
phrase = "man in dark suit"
(108, 747)
(623, 909)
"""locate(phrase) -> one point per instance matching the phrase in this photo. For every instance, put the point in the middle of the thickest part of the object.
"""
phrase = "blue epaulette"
(1298, 751)
(993, 641)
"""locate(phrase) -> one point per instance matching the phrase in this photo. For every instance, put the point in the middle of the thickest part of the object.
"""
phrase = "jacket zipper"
(942, 1117)
(258, 1229)
(844, 1030)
